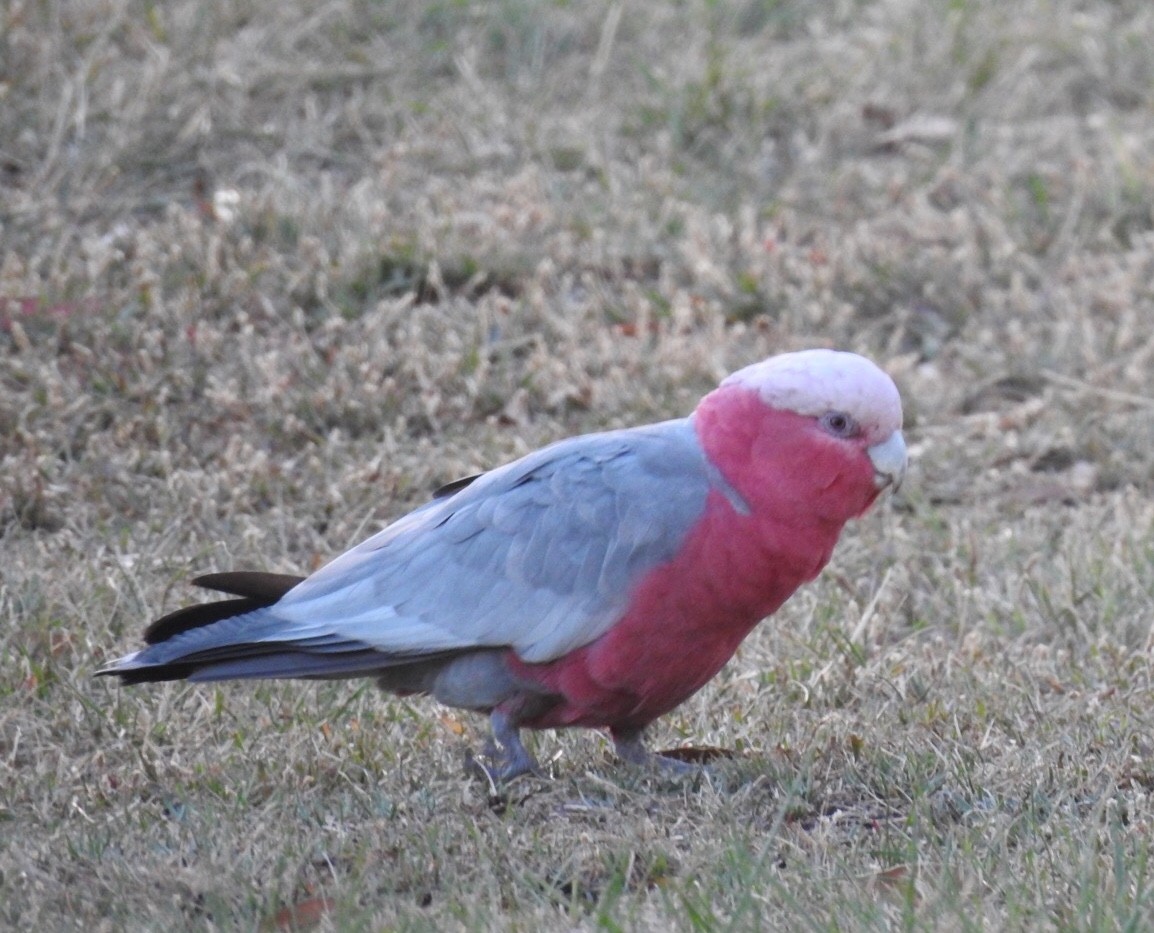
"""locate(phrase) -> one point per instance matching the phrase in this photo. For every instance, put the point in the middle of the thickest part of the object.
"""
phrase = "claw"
(630, 747)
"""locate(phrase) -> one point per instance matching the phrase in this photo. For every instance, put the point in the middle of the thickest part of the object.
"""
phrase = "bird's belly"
(625, 679)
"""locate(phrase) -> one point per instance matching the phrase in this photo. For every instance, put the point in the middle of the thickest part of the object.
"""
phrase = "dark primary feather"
(198, 616)
(451, 489)
(255, 584)
(256, 588)
(151, 675)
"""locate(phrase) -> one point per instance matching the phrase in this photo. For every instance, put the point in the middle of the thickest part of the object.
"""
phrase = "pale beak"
(889, 460)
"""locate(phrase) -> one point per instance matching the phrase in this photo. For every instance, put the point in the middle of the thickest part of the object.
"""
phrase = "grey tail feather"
(293, 664)
(267, 661)
(266, 664)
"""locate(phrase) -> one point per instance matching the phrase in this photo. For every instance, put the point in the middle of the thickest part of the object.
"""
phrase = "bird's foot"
(505, 756)
(631, 748)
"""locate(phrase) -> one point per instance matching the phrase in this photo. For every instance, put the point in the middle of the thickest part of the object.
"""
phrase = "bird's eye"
(839, 424)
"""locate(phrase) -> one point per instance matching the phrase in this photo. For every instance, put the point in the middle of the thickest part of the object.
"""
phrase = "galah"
(599, 581)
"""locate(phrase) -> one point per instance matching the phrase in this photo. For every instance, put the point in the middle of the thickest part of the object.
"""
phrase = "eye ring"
(839, 424)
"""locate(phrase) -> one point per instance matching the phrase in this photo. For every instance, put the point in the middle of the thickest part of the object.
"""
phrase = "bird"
(597, 582)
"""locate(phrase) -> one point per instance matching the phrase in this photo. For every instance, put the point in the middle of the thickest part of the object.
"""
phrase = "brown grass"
(270, 273)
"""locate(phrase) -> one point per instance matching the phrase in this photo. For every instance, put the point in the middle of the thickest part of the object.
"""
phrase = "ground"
(270, 273)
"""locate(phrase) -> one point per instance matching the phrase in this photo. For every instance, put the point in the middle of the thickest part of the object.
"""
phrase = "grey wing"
(540, 555)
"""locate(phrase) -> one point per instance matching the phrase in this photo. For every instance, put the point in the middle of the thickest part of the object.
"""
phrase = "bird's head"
(816, 429)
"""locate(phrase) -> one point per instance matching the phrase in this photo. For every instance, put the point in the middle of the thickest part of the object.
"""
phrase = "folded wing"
(540, 556)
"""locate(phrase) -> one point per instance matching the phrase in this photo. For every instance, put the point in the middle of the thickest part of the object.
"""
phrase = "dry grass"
(272, 272)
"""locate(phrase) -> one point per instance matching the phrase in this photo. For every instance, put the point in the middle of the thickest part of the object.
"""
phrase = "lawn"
(270, 274)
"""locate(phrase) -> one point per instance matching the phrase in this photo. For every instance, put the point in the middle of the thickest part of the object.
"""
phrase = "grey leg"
(631, 748)
(508, 755)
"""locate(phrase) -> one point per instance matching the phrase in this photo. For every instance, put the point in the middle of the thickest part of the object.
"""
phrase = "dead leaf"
(304, 915)
(697, 754)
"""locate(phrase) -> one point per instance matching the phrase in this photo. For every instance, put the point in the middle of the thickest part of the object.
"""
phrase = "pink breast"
(685, 621)
(737, 566)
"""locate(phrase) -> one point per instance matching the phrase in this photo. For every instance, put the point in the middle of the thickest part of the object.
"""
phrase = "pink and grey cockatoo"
(599, 581)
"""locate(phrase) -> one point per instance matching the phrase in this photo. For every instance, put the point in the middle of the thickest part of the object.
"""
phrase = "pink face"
(813, 433)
